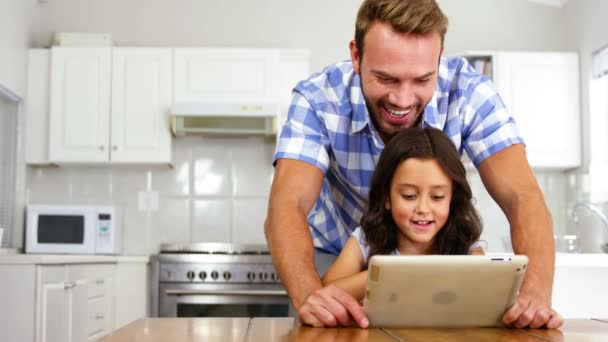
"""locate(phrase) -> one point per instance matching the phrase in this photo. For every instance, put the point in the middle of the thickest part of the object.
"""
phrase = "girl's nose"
(422, 206)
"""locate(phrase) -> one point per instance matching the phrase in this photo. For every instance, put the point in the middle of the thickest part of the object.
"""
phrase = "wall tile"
(91, 184)
(252, 167)
(212, 169)
(127, 181)
(135, 229)
(248, 217)
(211, 220)
(48, 185)
(170, 224)
(174, 181)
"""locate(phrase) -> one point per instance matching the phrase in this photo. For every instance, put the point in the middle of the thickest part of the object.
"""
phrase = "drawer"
(96, 316)
(97, 287)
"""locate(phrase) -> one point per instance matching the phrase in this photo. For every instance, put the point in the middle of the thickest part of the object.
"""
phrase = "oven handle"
(277, 293)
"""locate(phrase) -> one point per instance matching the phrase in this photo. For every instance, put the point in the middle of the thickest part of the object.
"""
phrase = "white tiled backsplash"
(218, 192)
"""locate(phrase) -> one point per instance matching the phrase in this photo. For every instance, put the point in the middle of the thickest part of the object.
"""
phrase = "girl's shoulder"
(359, 235)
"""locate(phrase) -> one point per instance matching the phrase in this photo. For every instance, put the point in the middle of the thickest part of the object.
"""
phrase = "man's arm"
(295, 188)
(509, 180)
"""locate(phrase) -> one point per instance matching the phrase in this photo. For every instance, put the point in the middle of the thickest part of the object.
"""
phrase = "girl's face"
(419, 202)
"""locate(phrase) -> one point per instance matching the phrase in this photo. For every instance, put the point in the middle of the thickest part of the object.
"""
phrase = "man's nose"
(402, 96)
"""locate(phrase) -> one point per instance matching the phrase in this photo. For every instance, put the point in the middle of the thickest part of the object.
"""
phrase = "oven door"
(223, 300)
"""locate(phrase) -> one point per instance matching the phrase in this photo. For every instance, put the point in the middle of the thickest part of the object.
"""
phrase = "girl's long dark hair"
(463, 226)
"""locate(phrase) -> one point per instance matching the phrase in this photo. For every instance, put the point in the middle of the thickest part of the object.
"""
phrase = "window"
(8, 162)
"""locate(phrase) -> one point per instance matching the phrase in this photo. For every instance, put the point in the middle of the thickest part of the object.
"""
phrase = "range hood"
(224, 118)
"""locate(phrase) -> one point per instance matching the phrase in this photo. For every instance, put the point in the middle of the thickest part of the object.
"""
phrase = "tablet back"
(442, 290)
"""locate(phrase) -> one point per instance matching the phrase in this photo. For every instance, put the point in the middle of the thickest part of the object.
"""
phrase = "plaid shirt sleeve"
(489, 127)
(304, 136)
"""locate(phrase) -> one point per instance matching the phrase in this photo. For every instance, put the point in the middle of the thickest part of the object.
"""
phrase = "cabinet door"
(52, 313)
(79, 105)
(141, 101)
(226, 75)
(541, 90)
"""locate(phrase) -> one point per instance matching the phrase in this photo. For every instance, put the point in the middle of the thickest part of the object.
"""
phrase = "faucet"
(594, 210)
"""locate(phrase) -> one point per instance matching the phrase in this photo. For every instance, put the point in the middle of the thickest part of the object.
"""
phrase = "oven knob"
(273, 276)
(227, 275)
(190, 275)
(202, 275)
(214, 275)
(251, 276)
(263, 275)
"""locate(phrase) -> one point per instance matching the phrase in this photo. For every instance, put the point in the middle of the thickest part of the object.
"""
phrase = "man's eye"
(424, 80)
(385, 79)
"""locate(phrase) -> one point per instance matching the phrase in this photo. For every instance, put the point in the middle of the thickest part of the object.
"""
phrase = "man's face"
(398, 75)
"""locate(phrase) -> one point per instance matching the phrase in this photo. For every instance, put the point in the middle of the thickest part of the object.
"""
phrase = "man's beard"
(375, 116)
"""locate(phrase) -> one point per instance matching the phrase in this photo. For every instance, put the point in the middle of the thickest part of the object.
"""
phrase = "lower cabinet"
(75, 302)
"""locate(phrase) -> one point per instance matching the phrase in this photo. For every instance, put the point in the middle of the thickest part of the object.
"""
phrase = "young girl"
(419, 203)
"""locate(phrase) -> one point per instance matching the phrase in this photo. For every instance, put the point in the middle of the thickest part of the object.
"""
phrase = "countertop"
(287, 329)
(25, 259)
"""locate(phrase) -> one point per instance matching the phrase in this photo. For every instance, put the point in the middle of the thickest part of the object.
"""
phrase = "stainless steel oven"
(216, 280)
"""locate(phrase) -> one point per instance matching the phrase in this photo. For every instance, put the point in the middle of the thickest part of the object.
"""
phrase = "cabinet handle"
(69, 285)
(101, 147)
(99, 315)
(99, 281)
(114, 148)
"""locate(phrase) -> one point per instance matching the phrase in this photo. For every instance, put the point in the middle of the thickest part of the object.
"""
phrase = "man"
(338, 124)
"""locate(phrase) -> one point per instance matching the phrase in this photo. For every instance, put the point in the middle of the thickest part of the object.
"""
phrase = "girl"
(419, 203)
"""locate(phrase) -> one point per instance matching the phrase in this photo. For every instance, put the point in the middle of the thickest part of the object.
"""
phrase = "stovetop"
(215, 248)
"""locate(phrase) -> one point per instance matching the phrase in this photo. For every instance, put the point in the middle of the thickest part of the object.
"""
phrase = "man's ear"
(354, 56)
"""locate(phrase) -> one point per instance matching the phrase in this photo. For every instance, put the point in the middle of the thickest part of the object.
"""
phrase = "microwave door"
(62, 233)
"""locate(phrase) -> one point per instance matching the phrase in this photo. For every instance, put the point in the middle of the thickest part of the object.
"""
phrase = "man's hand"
(330, 306)
(531, 311)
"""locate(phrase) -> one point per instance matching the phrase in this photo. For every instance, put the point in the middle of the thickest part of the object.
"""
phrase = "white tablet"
(442, 290)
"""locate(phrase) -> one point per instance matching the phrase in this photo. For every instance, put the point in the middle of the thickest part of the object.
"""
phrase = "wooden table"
(287, 329)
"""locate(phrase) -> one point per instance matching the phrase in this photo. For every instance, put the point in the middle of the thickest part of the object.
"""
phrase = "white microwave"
(71, 229)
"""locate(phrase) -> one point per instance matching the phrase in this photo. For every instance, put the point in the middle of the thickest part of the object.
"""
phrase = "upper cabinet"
(541, 90)
(104, 105)
(79, 117)
(226, 75)
(141, 99)
(115, 104)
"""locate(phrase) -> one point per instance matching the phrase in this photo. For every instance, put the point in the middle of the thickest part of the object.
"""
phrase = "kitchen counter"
(44, 259)
(287, 329)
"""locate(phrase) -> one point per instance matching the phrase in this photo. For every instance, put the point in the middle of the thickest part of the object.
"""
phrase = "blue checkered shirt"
(329, 127)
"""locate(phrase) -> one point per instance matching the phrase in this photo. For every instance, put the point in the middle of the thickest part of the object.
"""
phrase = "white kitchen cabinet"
(75, 302)
(79, 117)
(110, 105)
(541, 90)
(226, 75)
(17, 301)
(141, 99)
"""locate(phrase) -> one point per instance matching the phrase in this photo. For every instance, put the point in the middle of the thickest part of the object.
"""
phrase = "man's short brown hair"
(407, 16)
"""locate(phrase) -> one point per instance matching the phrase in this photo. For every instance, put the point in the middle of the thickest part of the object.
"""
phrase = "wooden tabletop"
(288, 329)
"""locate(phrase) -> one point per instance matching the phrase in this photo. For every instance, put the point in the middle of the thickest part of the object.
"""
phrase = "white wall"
(324, 27)
(15, 19)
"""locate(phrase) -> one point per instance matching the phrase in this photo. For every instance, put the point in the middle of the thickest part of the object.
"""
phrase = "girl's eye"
(438, 197)
(408, 196)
